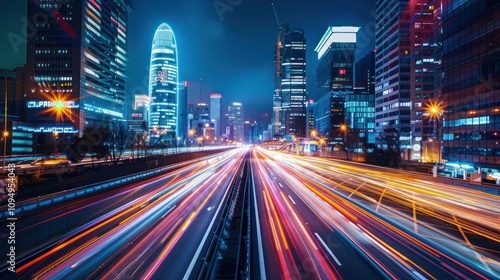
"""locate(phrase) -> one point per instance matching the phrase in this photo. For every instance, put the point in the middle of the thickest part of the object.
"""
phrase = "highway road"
(312, 218)
(136, 231)
(376, 222)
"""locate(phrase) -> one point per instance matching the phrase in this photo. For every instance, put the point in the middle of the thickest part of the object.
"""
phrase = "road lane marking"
(280, 185)
(259, 237)
(202, 243)
(378, 204)
(328, 249)
(169, 211)
(291, 199)
(356, 189)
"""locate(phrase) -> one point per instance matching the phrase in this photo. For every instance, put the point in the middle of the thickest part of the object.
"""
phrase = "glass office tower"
(75, 64)
(293, 82)
(471, 83)
(163, 85)
(215, 102)
(335, 78)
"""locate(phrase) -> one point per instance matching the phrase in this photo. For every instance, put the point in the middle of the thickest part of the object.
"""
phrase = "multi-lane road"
(311, 218)
(325, 218)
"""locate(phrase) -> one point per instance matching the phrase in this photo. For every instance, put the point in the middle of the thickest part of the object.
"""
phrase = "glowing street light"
(344, 129)
(435, 109)
(56, 135)
(5, 135)
(5, 132)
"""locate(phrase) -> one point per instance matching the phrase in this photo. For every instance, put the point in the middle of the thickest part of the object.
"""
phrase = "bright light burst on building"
(435, 108)
(59, 101)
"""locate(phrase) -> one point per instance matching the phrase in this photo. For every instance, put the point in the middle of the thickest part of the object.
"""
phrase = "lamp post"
(5, 132)
(313, 133)
(435, 111)
(56, 139)
(344, 129)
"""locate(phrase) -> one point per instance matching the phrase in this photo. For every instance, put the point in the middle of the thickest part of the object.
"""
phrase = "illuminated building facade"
(310, 119)
(335, 78)
(278, 125)
(215, 101)
(471, 83)
(407, 73)
(75, 64)
(293, 82)
(182, 111)
(163, 84)
(235, 122)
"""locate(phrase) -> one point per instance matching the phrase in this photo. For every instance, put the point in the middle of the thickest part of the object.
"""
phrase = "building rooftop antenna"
(199, 97)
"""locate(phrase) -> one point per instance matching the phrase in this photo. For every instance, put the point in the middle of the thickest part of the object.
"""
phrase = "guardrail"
(34, 204)
(214, 256)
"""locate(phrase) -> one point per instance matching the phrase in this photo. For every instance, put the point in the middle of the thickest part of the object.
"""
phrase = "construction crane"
(277, 56)
(277, 114)
(278, 117)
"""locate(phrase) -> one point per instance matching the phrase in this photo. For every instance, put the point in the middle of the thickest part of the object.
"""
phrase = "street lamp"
(5, 132)
(56, 135)
(5, 135)
(435, 110)
(344, 129)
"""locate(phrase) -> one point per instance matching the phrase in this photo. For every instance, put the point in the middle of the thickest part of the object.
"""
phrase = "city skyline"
(238, 38)
(264, 140)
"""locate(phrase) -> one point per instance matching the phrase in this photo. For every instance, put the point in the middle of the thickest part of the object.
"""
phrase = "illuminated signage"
(50, 104)
(136, 115)
(58, 129)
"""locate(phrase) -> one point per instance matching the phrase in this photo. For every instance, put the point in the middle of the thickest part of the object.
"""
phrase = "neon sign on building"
(32, 104)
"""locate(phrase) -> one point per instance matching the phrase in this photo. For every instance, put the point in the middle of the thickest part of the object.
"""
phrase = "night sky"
(232, 51)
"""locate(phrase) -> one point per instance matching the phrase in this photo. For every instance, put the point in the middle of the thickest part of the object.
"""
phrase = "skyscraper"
(75, 65)
(471, 84)
(278, 117)
(235, 121)
(360, 106)
(364, 74)
(335, 75)
(293, 82)
(215, 100)
(406, 68)
(163, 84)
(182, 111)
